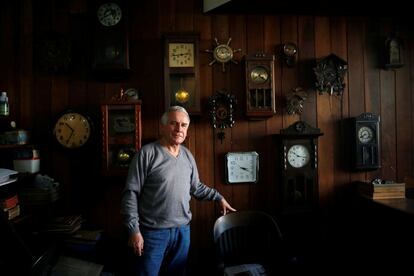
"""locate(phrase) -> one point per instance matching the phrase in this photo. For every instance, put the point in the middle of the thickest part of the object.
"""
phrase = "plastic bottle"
(4, 104)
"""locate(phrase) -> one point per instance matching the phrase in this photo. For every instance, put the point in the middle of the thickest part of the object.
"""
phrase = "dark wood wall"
(37, 97)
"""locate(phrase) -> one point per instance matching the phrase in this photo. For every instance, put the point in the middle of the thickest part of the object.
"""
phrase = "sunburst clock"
(223, 53)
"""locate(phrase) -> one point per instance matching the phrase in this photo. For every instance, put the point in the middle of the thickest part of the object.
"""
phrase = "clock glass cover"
(181, 54)
(72, 130)
(298, 156)
(109, 14)
(242, 167)
(259, 74)
(365, 134)
(223, 53)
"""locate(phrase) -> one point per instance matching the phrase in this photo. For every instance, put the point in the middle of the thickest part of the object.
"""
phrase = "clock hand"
(244, 169)
(181, 54)
(66, 124)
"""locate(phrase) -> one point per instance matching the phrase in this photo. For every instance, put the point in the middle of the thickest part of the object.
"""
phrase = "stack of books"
(9, 201)
(63, 225)
(10, 206)
(381, 191)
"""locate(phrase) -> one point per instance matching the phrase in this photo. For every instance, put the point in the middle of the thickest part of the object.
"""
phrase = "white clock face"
(242, 167)
(109, 14)
(298, 156)
(365, 134)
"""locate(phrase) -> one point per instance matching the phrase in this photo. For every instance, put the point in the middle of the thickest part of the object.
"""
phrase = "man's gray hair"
(164, 117)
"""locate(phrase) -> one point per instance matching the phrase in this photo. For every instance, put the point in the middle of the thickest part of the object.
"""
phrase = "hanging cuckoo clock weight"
(221, 107)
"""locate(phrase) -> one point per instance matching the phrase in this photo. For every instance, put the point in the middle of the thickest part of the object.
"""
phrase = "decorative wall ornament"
(330, 73)
(295, 100)
(290, 51)
(223, 53)
(221, 106)
(393, 52)
(53, 52)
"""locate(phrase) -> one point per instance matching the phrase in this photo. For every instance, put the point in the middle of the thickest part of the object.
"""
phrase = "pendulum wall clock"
(110, 56)
(260, 88)
(181, 71)
(299, 167)
(365, 137)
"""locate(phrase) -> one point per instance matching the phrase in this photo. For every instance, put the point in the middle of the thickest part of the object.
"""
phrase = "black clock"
(365, 137)
(222, 111)
(299, 167)
(110, 56)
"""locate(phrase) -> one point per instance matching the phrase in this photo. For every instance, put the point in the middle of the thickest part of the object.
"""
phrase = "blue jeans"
(165, 251)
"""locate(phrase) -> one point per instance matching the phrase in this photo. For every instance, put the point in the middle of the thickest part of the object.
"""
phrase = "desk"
(405, 205)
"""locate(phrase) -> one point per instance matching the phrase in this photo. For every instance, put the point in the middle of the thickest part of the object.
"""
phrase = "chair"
(248, 243)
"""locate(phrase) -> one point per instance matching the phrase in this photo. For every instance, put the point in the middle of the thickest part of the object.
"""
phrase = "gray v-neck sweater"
(159, 187)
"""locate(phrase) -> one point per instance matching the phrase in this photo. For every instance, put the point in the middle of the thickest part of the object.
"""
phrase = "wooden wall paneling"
(410, 64)
(185, 11)
(340, 113)
(356, 84)
(289, 33)
(388, 115)
(220, 29)
(372, 51)
(268, 160)
(403, 120)
(325, 109)
(257, 128)
(239, 133)
(166, 15)
(25, 55)
(306, 63)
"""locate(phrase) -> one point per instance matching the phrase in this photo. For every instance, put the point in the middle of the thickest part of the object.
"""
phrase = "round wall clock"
(109, 14)
(72, 129)
(242, 167)
(298, 156)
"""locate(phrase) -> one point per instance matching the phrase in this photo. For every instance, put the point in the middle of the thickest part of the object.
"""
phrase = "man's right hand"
(136, 241)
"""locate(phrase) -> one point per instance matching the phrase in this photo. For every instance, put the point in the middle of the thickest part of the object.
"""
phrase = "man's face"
(175, 131)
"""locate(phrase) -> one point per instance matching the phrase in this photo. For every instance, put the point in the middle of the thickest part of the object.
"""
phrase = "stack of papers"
(7, 176)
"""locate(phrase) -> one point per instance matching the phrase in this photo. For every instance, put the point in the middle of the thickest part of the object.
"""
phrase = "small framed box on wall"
(121, 135)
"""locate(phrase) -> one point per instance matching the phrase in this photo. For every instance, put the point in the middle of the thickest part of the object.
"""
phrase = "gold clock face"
(259, 75)
(181, 54)
(223, 53)
(109, 14)
(72, 130)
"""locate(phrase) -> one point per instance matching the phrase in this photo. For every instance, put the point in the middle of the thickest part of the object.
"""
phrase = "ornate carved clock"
(299, 164)
(222, 111)
(365, 131)
(260, 88)
(111, 50)
(181, 71)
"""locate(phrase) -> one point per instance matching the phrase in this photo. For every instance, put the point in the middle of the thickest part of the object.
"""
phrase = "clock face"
(242, 167)
(109, 14)
(223, 53)
(298, 156)
(181, 55)
(259, 75)
(72, 130)
(365, 134)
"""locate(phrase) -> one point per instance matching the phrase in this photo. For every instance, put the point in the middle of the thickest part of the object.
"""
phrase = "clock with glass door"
(299, 167)
(181, 71)
(365, 132)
